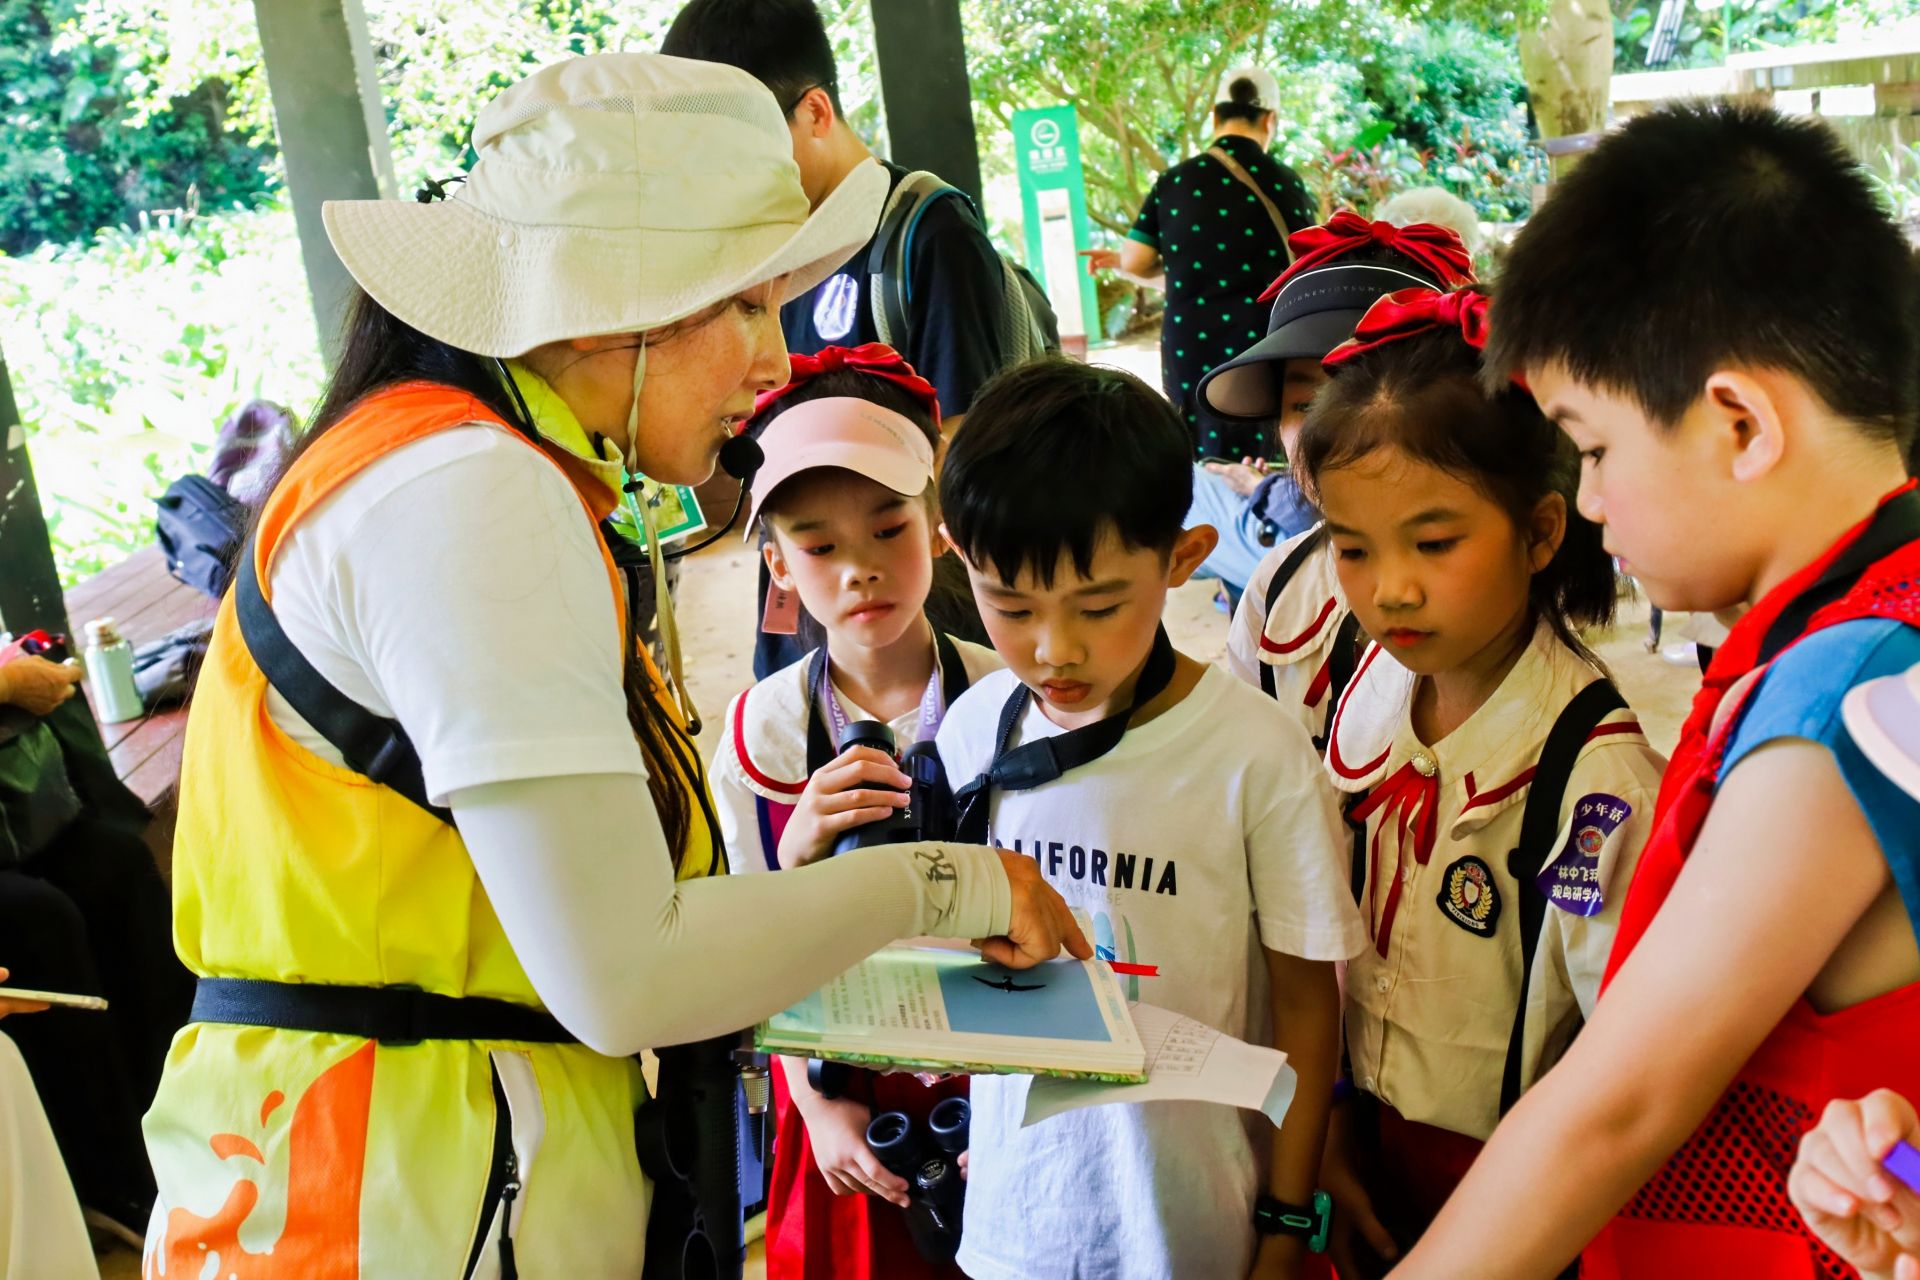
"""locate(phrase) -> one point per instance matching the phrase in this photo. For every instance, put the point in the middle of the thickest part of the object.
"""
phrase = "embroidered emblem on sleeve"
(1572, 880)
(1469, 897)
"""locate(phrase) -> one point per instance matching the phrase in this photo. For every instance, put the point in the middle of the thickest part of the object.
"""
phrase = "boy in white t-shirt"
(1189, 823)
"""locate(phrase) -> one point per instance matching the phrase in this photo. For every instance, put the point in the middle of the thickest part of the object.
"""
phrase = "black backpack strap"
(1348, 642)
(372, 746)
(1539, 825)
(820, 752)
(821, 748)
(1281, 577)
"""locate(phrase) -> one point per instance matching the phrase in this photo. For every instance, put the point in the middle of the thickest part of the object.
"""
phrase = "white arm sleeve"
(577, 869)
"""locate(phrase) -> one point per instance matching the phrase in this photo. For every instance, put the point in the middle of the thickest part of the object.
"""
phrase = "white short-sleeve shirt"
(1206, 834)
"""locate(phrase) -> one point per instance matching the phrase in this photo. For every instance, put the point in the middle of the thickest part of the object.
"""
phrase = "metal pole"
(332, 130)
(924, 86)
(30, 596)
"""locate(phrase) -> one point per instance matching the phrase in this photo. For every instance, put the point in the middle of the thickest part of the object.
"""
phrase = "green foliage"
(77, 155)
(126, 354)
(1710, 31)
(1895, 176)
(1142, 73)
(438, 64)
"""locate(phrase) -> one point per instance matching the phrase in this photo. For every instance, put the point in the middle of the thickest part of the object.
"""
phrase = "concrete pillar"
(923, 84)
(332, 129)
(30, 596)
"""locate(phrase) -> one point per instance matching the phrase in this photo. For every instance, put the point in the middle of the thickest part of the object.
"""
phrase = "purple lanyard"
(932, 702)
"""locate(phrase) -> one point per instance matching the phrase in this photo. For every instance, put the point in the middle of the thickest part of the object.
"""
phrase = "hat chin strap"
(645, 520)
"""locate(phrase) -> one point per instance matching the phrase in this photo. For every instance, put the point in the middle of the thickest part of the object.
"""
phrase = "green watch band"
(1272, 1217)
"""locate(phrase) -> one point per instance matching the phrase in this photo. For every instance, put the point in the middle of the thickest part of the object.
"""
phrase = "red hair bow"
(876, 358)
(1435, 248)
(1412, 312)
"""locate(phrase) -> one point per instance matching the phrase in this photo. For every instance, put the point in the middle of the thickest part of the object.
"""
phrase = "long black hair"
(380, 350)
(1425, 396)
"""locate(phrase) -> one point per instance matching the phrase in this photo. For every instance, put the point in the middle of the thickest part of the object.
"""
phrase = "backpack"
(200, 527)
(1028, 326)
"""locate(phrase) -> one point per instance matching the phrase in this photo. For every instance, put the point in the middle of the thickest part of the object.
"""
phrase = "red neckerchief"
(1886, 587)
(1414, 797)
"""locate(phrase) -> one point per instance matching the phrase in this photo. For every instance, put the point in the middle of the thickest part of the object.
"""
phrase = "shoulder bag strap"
(1239, 171)
(372, 746)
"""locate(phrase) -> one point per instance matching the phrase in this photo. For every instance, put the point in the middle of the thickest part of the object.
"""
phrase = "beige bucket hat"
(612, 193)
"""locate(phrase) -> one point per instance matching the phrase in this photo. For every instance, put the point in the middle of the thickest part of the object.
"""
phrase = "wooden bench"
(146, 602)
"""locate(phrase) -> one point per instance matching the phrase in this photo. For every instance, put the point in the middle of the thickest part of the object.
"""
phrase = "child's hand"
(1863, 1213)
(837, 1131)
(844, 795)
(1279, 1258)
(1357, 1236)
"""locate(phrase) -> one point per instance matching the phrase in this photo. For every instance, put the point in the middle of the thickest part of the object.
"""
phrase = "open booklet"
(924, 1008)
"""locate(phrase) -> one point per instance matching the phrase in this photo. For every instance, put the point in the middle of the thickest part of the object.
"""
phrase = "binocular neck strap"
(1036, 763)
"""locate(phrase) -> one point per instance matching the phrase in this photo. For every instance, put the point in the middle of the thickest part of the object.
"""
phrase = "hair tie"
(876, 358)
(1409, 313)
(1438, 249)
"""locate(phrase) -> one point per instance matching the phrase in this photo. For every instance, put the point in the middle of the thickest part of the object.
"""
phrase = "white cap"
(1266, 88)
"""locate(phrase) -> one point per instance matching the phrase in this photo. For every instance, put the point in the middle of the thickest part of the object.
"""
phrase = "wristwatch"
(1273, 1217)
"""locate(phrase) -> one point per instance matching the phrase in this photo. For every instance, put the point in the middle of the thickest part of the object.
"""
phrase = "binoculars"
(926, 1158)
(928, 814)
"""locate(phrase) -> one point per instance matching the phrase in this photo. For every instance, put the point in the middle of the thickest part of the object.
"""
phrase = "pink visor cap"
(845, 432)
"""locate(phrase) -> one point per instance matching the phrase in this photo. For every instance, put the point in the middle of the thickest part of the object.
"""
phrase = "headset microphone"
(740, 457)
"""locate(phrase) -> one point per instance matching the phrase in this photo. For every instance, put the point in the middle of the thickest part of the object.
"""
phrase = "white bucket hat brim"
(564, 232)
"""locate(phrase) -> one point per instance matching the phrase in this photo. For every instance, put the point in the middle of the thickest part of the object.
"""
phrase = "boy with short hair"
(1716, 310)
(1189, 822)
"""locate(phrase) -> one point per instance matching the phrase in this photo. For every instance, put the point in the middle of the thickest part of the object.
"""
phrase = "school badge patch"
(1469, 897)
(1571, 881)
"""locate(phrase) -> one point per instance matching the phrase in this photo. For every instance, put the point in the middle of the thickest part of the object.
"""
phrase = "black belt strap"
(390, 1015)
(372, 746)
(1036, 763)
(1539, 825)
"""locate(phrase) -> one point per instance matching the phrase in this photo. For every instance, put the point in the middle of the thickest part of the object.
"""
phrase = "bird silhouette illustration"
(1009, 985)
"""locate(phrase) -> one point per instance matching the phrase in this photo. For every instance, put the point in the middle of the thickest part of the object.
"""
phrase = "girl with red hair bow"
(844, 506)
(1499, 787)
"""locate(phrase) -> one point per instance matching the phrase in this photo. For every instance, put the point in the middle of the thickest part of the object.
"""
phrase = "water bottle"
(109, 660)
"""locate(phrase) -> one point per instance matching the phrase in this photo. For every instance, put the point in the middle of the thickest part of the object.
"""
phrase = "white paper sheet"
(1186, 1061)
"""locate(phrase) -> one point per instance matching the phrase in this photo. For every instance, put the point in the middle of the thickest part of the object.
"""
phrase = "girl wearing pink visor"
(845, 509)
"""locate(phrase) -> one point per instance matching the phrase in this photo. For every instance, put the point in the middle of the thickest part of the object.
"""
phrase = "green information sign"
(1053, 194)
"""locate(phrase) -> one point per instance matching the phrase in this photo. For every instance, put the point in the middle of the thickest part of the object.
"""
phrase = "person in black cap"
(1339, 270)
(1292, 623)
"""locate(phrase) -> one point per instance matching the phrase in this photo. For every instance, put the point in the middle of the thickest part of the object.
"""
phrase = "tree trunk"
(1568, 62)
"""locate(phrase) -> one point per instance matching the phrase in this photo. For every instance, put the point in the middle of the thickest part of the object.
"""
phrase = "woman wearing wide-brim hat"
(417, 993)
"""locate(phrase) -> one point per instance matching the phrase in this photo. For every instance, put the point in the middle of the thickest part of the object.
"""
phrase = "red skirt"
(813, 1234)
